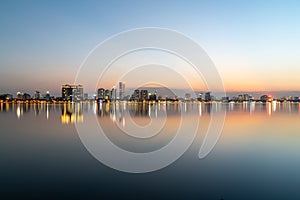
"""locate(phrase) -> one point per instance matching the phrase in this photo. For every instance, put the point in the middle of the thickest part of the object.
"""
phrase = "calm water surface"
(256, 157)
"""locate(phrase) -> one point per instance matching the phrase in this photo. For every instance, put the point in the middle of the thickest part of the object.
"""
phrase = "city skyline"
(253, 44)
(76, 92)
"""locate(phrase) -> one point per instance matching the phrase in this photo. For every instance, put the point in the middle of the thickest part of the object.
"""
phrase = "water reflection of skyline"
(118, 111)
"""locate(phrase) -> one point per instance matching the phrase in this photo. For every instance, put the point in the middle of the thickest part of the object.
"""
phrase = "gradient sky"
(254, 44)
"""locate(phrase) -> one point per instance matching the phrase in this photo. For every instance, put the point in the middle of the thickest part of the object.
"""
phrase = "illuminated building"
(72, 92)
(200, 97)
(19, 96)
(266, 98)
(47, 96)
(107, 94)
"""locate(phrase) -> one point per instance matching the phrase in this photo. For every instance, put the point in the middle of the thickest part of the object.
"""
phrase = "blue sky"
(254, 44)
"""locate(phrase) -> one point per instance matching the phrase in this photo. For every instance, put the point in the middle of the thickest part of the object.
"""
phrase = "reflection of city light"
(70, 115)
(47, 111)
(274, 104)
(269, 109)
(124, 123)
(18, 111)
(252, 107)
(95, 108)
(200, 109)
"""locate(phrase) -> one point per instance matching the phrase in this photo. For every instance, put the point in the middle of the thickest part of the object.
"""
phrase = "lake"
(257, 155)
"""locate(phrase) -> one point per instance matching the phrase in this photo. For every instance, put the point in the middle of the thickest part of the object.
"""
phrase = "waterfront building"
(72, 92)
(100, 94)
(121, 90)
(144, 95)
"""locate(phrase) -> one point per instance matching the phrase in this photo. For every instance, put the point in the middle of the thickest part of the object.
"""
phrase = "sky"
(253, 44)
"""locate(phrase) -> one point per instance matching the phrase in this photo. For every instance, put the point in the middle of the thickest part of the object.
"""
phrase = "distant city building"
(47, 96)
(152, 96)
(121, 90)
(136, 95)
(187, 97)
(114, 93)
(72, 92)
(200, 98)
(208, 96)
(37, 95)
(107, 95)
(101, 93)
(19, 96)
(225, 99)
(6, 97)
(26, 96)
(144, 95)
(246, 97)
(266, 98)
(240, 98)
(85, 96)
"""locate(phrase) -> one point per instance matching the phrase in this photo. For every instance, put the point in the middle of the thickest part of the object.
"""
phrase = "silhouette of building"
(26, 96)
(208, 96)
(114, 93)
(37, 95)
(47, 96)
(200, 98)
(6, 97)
(152, 96)
(144, 95)
(136, 95)
(121, 90)
(100, 93)
(107, 95)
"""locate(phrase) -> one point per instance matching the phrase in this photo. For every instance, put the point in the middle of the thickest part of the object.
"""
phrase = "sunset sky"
(254, 44)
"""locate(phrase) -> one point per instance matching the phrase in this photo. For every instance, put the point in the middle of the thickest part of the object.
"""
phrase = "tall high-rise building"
(208, 96)
(121, 90)
(136, 95)
(101, 93)
(37, 95)
(144, 95)
(114, 93)
(19, 96)
(107, 94)
(72, 92)
(47, 96)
